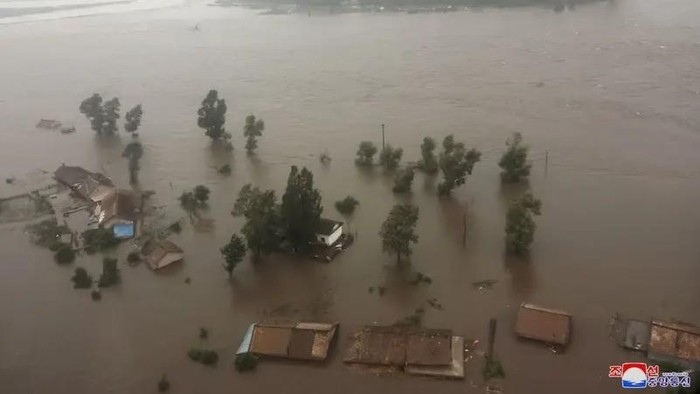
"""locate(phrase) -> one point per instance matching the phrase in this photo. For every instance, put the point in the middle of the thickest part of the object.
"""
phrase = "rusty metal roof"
(675, 339)
(543, 324)
(399, 346)
(271, 341)
(304, 341)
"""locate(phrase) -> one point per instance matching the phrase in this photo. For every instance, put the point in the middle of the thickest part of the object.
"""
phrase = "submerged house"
(301, 341)
(551, 326)
(414, 350)
(329, 231)
(161, 253)
(674, 342)
(120, 211)
(91, 186)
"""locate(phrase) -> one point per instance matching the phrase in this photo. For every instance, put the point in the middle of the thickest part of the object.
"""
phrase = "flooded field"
(609, 92)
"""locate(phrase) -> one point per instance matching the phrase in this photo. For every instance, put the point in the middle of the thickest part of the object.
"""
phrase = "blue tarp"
(123, 230)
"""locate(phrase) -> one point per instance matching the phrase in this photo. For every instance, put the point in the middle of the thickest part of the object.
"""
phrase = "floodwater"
(611, 91)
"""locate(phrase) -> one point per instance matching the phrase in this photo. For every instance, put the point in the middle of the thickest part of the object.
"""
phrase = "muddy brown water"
(611, 91)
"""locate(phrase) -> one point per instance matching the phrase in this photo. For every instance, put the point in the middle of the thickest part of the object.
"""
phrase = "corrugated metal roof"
(543, 324)
(675, 339)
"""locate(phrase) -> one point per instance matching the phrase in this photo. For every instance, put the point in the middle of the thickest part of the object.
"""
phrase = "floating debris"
(434, 303)
(484, 284)
(50, 124)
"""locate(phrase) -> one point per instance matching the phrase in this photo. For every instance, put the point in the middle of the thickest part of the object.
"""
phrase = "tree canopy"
(110, 273)
(365, 153)
(347, 205)
(212, 115)
(133, 119)
(301, 208)
(428, 162)
(81, 279)
(455, 162)
(233, 253)
(514, 163)
(390, 157)
(253, 128)
(103, 116)
(403, 181)
(262, 219)
(520, 226)
(398, 230)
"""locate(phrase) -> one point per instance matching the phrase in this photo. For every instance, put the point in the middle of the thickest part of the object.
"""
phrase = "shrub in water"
(246, 362)
(64, 255)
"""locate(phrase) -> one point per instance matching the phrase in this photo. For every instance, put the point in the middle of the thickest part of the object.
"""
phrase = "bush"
(175, 227)
(96, 295)
(194, 354)
(99, 239)
(64, 255)
(246, 362)
(203, 333)
(347, 205)
(133, 258)
(209, 357)
(110, 273)
(163, 384)
(81, 279)
(493, 369)
(225, 169)
(204, 356)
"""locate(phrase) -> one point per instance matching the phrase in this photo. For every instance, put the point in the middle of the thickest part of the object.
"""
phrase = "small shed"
(547, 325)
(300, 341)
(329, 231)
(675, 342)
(161, 253)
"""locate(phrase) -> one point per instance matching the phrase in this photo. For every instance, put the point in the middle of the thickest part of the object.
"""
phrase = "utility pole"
(546, 161)
(464, 228)
(383, 145)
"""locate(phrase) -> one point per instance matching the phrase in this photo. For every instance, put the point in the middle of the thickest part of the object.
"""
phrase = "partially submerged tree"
(403, 181)
(428, 162)
(111, 111)
(514, 163)
(233, 253)
(133, 120)
(102, 116)
(398, 230)
(253, 128)
(520, 226)
(262, 219)
(64, 255)
(99, 239)
(390, 157)
(365, 153)
(133, 152)
(455, 162)
(301, 208)
(347, 205)
(201, 194)
(163, 384)
(212, 115)
(81, 279)
(110, 273)
(190, 201)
